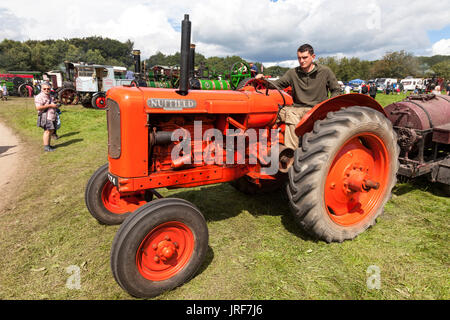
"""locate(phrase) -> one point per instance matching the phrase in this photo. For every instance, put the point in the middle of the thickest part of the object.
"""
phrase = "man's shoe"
(48, 149)
(55, 137)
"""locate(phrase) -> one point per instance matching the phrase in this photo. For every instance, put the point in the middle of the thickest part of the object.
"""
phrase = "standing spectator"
(253, 69)
(364, 89)
(388, 88)
(402, 88)
(4, 92)
(448, 87)
(46, 115)
(347, 89)
(436, 89)
(373, 90)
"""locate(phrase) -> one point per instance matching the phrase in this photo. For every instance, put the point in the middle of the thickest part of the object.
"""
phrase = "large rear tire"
(343, 173)
(160, 247)
(106, 204)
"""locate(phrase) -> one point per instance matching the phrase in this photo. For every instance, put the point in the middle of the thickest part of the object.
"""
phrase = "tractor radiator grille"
(113, 120)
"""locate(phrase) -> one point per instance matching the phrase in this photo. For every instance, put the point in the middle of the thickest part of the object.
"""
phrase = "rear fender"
(320, 110)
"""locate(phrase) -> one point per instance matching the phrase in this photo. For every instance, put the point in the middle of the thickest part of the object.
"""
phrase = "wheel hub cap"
(165, 251)
(356, 179)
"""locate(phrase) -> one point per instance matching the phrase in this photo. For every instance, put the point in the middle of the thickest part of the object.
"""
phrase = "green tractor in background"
(163, 77)
(200, 78)
(205, 79)
(22, 83)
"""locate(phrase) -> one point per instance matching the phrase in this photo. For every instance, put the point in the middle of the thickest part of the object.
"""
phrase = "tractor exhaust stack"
(185, 59)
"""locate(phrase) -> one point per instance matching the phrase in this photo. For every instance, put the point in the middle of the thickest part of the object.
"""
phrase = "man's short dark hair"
(306, 47)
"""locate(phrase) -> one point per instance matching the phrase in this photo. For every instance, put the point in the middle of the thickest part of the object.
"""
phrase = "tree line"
(46, 55)
(397, 64)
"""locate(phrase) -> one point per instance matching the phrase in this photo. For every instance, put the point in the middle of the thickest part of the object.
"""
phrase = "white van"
(410, 84)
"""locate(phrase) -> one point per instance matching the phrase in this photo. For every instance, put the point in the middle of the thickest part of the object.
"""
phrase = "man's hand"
(259, 76)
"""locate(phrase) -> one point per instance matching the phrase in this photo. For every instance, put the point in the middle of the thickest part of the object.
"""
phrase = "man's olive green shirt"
(309, 89)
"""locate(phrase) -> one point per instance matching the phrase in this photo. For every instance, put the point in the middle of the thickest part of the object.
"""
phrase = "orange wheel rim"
(165, 251)
(116, 203)
(357, 179)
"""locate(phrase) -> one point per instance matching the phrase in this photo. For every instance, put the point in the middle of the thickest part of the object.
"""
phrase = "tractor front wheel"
(106, 203)
(343, 173)
(160, 247)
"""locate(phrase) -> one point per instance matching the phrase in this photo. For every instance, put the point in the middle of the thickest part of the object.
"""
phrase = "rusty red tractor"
(337, 181)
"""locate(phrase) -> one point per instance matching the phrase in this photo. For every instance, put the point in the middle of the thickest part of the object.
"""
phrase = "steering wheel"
(258, 84)
(261, 84)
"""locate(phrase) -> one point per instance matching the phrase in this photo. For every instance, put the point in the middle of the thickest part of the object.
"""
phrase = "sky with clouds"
(267, 31)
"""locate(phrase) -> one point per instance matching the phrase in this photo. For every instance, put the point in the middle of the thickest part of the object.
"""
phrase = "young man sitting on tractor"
(310, 84)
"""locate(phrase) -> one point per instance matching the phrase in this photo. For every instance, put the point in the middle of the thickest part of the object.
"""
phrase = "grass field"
(255, 250)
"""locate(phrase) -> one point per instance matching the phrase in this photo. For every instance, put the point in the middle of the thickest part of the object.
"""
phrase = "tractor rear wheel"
(343, 173)
(106, 204)
(159, 247)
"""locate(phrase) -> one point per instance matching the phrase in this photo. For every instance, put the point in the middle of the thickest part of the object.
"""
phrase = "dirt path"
(10, 163)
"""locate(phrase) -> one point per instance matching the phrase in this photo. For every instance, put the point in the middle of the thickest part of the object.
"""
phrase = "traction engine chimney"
(137, 61)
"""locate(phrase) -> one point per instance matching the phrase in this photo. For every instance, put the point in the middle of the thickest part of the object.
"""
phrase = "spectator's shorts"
(44, 123)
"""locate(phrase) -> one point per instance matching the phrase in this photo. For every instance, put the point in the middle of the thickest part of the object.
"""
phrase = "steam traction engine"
(337, 181)
(422, 123)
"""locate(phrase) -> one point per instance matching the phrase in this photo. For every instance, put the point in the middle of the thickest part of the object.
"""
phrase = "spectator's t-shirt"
(43, 99)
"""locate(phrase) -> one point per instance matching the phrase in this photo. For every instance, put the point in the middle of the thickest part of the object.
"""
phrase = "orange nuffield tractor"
(337, 181)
